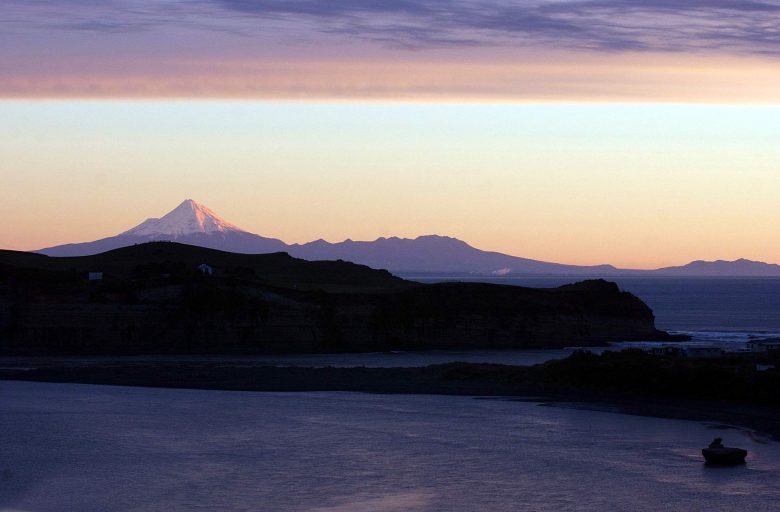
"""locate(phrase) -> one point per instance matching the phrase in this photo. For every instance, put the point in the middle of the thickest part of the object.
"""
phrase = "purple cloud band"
(603, 25)
(725, 26)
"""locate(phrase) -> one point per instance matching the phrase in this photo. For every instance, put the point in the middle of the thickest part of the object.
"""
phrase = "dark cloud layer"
(724, 26)
(733, 26)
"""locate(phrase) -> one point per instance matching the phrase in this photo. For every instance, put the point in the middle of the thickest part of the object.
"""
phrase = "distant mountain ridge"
(434, 253)
(195, 224)
(740, 267)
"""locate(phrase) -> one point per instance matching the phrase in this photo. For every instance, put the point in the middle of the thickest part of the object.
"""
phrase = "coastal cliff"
(171, 298)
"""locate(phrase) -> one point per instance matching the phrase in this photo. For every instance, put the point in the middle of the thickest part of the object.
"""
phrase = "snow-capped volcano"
(189, 223)
(187, 218)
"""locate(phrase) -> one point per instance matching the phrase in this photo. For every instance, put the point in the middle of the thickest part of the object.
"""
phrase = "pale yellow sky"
(634, 185)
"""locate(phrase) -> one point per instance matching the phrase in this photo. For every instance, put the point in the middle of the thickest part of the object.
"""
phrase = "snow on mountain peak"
(187, 218)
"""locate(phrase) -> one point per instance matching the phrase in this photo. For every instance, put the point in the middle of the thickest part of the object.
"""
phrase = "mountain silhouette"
(740, 267)
(194, 224)
(433, 253)
(189, 223)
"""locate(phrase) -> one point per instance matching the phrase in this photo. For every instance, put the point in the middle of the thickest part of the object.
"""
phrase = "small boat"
(718, 455)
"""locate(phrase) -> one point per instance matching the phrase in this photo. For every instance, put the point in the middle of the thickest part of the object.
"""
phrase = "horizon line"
(617, 268)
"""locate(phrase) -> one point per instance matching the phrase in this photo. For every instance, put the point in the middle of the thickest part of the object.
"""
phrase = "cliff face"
(456, 314)
(169, 307)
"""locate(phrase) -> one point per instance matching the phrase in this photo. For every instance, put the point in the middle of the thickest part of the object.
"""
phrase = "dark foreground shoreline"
(465, 379)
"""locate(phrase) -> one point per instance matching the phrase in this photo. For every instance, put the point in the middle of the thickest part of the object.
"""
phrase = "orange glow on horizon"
(602, 79)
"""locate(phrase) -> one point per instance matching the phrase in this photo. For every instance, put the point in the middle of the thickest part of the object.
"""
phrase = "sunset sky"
(637, 133)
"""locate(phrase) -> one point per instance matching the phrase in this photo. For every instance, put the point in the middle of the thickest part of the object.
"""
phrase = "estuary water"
(102, 448)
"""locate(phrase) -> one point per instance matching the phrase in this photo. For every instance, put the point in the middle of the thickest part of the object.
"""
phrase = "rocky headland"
(164, 297)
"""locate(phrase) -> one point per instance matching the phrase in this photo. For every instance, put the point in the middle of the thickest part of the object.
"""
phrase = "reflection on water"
(102, 448)
(389, 503)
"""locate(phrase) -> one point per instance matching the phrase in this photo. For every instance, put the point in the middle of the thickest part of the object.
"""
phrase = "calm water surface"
(103, 448)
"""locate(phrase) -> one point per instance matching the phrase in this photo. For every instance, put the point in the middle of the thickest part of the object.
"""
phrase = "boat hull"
(724, 456)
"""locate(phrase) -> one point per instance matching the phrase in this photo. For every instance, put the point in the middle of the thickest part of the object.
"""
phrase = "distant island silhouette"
(195, 224)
